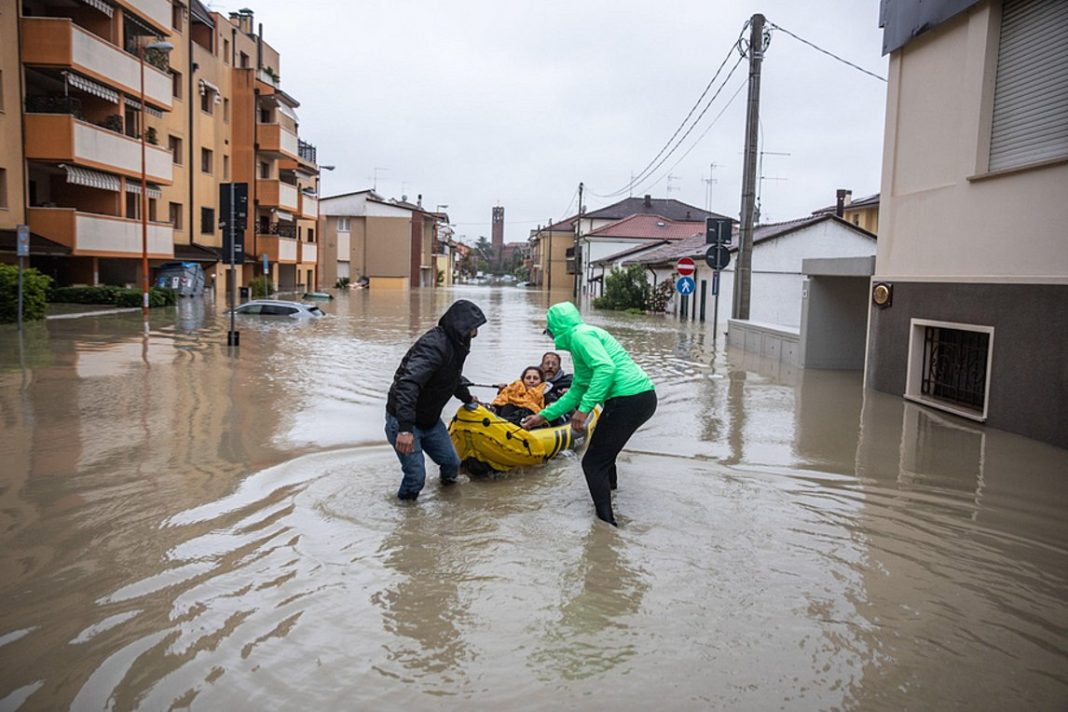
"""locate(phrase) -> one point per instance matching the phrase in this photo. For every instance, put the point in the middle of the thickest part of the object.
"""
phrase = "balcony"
(272, 138)
(276, 194)
(281, 250)
(58, 42)
(101, 235)
(307, 152)
(309, 253)
(156, 12)
(64, 139)
(309, 207)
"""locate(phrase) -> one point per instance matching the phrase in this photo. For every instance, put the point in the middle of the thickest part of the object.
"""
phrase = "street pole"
(144, 200)
(232, 338)
(743, 274)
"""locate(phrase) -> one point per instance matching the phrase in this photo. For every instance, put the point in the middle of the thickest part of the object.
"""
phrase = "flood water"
(182, 528)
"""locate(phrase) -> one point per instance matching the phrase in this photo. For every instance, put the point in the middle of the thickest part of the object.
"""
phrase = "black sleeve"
(462, 391)
(422, 361)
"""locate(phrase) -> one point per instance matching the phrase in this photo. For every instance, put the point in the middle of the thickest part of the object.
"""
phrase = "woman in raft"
(521, 398)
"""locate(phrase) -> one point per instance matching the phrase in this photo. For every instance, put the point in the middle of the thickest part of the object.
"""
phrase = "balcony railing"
(308, 206)
(306, 151)
(309, 252)
(278, 249)
(65, 139)
(276, 194)
(58, 42)
(89, 233)
(280, 229)
(275, 139)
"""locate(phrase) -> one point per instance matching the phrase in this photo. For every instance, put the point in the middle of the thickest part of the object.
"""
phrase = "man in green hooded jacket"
(604, 373)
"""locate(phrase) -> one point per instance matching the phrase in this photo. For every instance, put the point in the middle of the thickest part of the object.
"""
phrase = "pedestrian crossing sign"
(685, 285)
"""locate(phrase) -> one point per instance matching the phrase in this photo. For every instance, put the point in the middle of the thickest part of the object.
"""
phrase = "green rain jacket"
(603, 369)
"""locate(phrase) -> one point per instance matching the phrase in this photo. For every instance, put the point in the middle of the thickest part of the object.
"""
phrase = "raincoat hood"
(459, 319)
(561, 319)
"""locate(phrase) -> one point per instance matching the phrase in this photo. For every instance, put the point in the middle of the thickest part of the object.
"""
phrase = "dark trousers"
(620, 418)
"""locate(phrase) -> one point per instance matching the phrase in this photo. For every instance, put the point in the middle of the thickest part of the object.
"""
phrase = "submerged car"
(278, 307)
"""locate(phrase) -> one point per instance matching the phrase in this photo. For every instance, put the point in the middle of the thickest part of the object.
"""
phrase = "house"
(636, 235)
(968, 302)
(550, 266)
(862, 212)
(594, 244)
(779, 251)
(391, 242)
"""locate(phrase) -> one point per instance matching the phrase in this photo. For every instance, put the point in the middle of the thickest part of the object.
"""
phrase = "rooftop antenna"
(668, 188)
(374, 179)
(708, 186)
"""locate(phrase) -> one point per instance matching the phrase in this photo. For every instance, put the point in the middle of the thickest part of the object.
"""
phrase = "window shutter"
(1030, 122)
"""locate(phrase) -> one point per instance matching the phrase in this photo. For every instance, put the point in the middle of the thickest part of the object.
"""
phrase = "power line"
(644, 173)
(826, 52)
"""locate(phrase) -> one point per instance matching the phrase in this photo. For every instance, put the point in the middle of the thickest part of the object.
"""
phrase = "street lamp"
(318, 227)
(163, 47)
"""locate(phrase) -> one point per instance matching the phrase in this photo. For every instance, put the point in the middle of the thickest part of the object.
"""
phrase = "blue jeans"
(436, 443)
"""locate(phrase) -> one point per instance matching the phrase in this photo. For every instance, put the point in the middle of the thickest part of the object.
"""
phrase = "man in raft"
(604, 373)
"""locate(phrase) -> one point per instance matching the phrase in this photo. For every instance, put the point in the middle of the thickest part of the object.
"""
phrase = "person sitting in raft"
(521, 398)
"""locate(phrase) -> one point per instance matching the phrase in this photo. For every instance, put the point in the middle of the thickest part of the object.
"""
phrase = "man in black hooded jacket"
(428, 376)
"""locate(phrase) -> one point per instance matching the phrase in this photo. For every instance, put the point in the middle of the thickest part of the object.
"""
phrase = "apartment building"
(214, 112)
(967, 312)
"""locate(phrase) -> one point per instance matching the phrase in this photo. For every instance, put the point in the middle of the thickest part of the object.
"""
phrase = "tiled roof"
(696, 246)
(666, 207)
(650, 227)
(630, 250)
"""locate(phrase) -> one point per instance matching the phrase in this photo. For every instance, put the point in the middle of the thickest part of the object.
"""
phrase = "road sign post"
(233, 210)
(23, 250)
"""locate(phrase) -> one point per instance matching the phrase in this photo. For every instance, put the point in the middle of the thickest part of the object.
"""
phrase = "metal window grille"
(955, 363)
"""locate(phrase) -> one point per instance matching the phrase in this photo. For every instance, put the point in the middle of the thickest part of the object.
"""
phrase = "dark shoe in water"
(604, 513)
(446, 481)
(409, 496)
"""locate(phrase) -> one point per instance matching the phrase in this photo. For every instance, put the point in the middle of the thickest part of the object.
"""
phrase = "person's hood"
(561, 319)
(459, 319)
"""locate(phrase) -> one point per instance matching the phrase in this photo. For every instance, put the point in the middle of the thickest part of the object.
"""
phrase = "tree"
(34, 293)
(625, 289)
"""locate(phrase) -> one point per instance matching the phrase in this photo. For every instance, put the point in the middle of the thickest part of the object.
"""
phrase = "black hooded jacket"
(430, 373)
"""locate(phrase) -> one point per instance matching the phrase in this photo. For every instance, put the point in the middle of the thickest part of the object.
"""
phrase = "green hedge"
(260, 287)
(625, 289)
(118, 296)
(35, 288)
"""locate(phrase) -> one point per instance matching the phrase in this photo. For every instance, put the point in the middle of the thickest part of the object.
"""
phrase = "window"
(311, 235)
(244, 61)
(176, 84)
(3, 188)
(226, 51)
(226, 168)
(207, 159)
(152, 209)
(949, 366)
(1031, 85)
(176, 17)
(174, 213)
(265, 170)
(175, 144)
(207, 101)
(265, 116)
(207, 221)
(226, 110)
(343, 224)
(133, 206)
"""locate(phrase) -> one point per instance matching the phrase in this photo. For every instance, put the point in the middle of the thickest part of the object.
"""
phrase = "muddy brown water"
(181, 528)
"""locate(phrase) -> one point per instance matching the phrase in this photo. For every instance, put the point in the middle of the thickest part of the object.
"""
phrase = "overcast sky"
(478, 103)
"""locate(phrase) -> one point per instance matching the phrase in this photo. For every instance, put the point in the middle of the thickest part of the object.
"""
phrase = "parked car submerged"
(278, 307)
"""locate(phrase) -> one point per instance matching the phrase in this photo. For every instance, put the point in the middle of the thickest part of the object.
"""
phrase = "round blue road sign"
(685, 285)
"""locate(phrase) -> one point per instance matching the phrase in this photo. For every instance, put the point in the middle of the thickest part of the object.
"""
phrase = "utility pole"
(575, 248)
(744, 272)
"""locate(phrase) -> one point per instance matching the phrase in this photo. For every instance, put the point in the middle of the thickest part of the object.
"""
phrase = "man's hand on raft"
(578, 421)
(532, 421)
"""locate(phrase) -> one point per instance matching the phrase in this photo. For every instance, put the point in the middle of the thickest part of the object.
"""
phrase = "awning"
(206, 86)
(101, 6)
(135, 188)
(283, 215)
(91, 179)
(135, 104)
(79, 82)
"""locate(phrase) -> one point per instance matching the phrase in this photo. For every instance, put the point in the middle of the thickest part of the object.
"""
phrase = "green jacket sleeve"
(592, 351)
(567, 402)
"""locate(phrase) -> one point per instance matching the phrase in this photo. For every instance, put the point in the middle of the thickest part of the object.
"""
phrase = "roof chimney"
(843, 197)
(648, 201)
(419, 200)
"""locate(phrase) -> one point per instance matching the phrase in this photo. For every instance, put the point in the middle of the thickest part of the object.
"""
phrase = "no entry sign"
(685, 267)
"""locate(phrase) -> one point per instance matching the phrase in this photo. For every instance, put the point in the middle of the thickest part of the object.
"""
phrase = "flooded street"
(185, 529)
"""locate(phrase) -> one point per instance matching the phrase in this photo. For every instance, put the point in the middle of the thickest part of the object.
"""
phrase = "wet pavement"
(180, 528)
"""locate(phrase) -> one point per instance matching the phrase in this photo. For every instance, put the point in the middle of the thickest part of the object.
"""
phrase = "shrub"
(86, 295)
(661, 296)
(157, 297)
(342, 283)
(261, 287)
(35, 288)
(625, 289)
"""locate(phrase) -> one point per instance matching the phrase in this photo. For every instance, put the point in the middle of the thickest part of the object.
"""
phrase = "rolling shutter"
(1030, 122)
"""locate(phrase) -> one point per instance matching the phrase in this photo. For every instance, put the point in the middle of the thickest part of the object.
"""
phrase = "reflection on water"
(186, 527)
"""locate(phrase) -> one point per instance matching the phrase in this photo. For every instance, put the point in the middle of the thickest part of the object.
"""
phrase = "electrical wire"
(644, 173)
(826, 52)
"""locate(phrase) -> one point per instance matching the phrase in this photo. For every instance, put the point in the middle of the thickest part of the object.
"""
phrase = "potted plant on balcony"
(113, 123)
(151, 136)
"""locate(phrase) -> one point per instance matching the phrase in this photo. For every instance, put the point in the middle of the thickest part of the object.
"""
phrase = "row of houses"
(85, 87)
(961, 301)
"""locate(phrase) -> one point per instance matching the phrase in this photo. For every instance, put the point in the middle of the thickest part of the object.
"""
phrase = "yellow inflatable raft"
(487, 442)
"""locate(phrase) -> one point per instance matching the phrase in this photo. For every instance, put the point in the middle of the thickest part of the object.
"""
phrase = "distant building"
(968, 302)
(550, 246)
